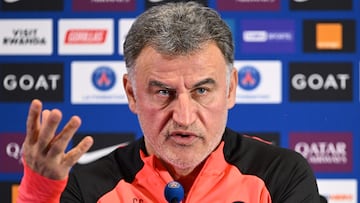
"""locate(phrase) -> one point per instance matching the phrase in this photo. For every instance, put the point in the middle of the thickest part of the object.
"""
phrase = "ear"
(129, 90)
(233, 83)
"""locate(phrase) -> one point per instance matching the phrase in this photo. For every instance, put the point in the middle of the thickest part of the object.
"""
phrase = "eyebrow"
(158, 84)
(200, 83)
(204, 82)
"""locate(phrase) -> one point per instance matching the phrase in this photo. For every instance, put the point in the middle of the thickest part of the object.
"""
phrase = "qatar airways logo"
(325, 151)
(11, 149)
(85, 36)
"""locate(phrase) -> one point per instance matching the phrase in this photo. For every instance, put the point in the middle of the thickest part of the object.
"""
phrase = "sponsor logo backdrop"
(298, 63)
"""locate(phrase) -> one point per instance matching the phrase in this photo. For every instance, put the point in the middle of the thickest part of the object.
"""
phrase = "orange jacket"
(241, 169)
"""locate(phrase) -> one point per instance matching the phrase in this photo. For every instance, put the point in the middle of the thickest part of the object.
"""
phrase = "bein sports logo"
(262, 36)
(104, 78)
(249, 78)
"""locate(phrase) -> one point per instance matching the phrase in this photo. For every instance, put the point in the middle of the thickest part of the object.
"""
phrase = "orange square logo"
(329, 36)
(14, 192)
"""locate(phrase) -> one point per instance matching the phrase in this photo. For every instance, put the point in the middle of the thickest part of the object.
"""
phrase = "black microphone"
(174, 192)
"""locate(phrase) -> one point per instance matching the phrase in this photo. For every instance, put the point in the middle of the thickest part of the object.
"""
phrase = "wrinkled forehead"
(207, 55)
(189, 69)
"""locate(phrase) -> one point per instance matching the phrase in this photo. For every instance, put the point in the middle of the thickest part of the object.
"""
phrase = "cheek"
(218, 105)
(151, 119)
(215, 114)
(146, 113)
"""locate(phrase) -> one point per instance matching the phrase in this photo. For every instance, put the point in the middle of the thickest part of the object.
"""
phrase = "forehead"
(207, 59)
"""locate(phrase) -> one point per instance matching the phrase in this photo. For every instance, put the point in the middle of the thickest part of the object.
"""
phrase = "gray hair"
(177, 29)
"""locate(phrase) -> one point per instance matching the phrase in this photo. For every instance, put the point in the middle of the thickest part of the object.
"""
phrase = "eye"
(164, 92)
(201, 91)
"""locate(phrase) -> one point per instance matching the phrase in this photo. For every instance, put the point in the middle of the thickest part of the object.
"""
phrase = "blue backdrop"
(296, 40)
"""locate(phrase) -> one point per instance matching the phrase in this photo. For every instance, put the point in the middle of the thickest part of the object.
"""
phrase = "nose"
(184, 113)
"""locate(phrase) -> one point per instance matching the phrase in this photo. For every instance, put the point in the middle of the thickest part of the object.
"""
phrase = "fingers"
(33, 122)
(60, 142)
(50, 123)
(44, 115)
(42, 150)
(74, 154)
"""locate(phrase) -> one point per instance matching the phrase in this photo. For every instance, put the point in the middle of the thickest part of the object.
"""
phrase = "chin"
(188, 163)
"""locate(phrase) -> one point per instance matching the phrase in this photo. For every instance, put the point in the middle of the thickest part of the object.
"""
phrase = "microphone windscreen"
(174, 192)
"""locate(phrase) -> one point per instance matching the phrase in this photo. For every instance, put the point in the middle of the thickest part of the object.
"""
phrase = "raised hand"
(43, 151)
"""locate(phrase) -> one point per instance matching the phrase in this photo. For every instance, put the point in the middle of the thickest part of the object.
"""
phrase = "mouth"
(183, 138)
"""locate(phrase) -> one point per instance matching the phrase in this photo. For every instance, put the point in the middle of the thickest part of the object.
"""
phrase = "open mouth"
(182, 135)
(183, 138)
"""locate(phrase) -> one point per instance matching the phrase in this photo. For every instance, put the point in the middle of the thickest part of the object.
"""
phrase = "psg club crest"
(103, 78)
(249, 78)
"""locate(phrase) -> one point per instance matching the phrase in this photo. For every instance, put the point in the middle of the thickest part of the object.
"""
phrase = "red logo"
(85, 36)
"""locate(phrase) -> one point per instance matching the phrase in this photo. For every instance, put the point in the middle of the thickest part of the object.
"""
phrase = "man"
(181, 84)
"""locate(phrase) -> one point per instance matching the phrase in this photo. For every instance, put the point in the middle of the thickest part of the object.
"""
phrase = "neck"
(185, 177)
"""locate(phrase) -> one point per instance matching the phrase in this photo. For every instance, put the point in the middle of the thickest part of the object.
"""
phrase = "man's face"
(182, 103)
